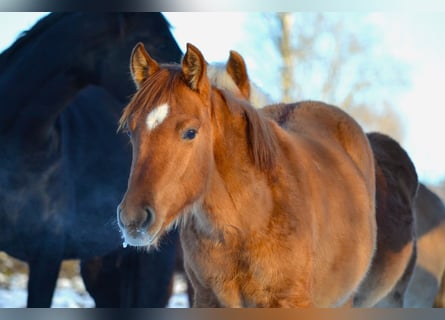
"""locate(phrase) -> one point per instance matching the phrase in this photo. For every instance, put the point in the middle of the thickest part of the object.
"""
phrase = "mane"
(258, 98)
(262, 141)
(152, 93)
(220, 78)
(27, 36)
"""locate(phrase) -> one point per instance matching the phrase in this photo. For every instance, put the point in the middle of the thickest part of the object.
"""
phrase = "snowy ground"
(70, 293)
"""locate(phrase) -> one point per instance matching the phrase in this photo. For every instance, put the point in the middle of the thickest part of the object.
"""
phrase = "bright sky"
(416, 39)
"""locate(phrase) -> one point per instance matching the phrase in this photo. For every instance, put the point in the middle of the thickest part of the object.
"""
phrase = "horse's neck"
(34, 90)
(238, 196)
(237, 203)
(48, 70)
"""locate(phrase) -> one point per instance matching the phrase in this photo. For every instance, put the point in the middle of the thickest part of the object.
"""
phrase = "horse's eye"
(128, 133)
(190, 134)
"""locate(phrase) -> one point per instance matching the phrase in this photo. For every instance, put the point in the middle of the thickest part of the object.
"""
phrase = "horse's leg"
(395, 298)
(190, 291)
(349, 303)
(43, 274)
(439, 302)
(422, 289)
(102, 279)
(205, 298)
(202, 297)
(147, 277)
(179, 268)
(160, 264)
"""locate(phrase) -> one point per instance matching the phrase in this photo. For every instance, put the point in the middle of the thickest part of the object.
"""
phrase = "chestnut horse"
(396, 183)
(269, 217)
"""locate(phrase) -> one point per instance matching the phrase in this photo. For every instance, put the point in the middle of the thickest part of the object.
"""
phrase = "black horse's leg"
(43, 274)
(102, 278)
(147, 277)
(161, 266)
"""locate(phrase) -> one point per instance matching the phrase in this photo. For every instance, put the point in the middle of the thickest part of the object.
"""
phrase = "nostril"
(135, 220)
(149, 217)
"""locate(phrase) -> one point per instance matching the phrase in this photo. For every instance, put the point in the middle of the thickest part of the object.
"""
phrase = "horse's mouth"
(140, 238)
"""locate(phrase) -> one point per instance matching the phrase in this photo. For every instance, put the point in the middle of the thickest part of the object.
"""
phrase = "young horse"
(396, 183)
(63, 86)
(287, 220)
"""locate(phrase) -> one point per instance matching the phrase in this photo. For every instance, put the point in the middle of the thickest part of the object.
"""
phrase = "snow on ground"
(70, 293)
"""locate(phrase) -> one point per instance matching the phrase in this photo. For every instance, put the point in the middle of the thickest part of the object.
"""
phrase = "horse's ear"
(194, 69)
(141, 65)
(236, 68)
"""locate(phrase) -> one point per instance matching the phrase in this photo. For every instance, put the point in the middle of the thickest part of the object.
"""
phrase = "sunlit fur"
(396, 183)
(271, 216)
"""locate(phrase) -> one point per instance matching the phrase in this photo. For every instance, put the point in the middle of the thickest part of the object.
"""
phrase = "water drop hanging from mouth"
(124, 244)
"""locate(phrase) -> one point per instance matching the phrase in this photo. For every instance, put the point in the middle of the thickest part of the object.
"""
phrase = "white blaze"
(156, 116)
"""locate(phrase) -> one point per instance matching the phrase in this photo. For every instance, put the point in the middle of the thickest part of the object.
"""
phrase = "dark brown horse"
(396, 183)
(267, 214)
(63, 86)
(393, 264)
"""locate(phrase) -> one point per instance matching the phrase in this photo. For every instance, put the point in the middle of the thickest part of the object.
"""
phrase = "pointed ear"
(141, 65)
(236, 68)
(194, 69)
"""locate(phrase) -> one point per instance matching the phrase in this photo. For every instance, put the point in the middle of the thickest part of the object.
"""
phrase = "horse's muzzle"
(135, 224)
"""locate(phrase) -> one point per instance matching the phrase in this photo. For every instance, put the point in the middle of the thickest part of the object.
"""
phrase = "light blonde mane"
(220, 78)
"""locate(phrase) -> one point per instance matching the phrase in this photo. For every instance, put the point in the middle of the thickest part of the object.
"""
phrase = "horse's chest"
(237, 279)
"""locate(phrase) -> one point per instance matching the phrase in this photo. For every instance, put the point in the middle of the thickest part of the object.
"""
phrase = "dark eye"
(190, 134)
(128, 132)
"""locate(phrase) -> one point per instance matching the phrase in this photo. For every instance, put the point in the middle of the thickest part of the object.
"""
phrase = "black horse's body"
(63, 167)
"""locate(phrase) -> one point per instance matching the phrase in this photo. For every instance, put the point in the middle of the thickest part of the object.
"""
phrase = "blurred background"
(386, 69)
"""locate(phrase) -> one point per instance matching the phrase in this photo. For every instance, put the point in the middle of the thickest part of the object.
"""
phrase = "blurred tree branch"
(322, 57)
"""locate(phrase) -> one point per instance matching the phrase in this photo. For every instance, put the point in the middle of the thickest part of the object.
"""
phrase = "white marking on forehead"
(156, 116)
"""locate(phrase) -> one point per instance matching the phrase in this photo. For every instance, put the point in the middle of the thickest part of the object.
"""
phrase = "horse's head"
(168, 120)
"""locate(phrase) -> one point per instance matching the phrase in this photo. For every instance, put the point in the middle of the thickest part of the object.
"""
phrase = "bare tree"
(287, 54)
(324, 57)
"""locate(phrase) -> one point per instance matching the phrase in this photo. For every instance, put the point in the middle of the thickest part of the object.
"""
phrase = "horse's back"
(327, 122)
